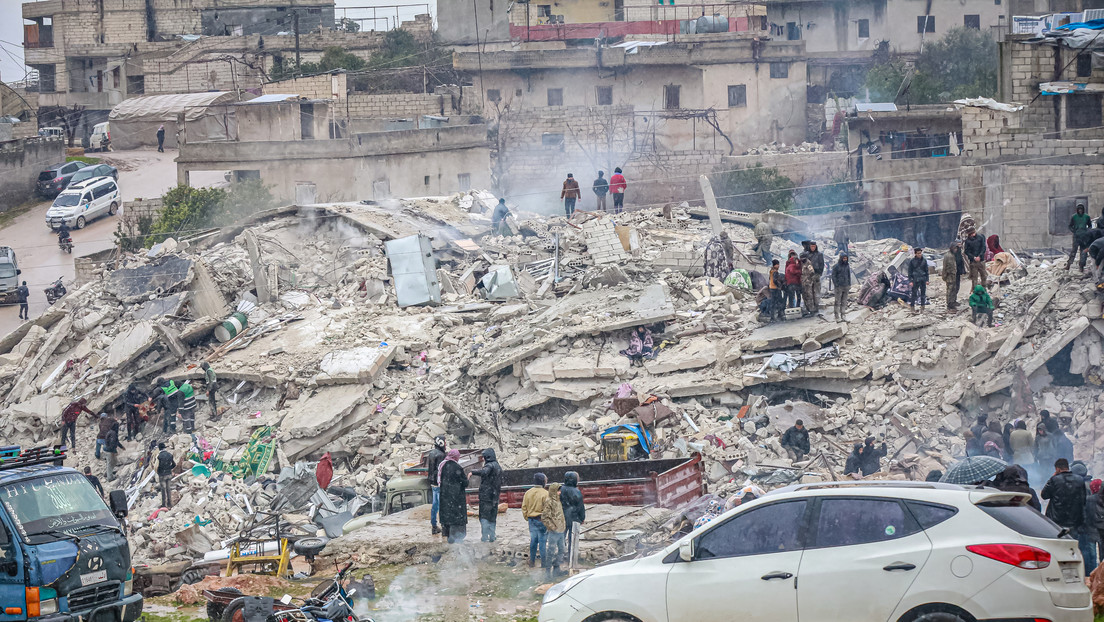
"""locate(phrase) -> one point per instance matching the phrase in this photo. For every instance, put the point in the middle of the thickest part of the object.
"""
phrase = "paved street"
(145, 174)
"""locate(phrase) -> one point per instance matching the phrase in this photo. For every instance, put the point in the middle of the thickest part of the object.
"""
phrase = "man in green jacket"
(1079, 222)
(981, 303)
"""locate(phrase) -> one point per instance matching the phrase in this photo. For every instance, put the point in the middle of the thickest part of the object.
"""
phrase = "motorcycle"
(329, 602)
(55, 291)
(66, 244)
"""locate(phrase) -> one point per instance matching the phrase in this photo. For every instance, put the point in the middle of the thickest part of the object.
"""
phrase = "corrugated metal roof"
(167, 107)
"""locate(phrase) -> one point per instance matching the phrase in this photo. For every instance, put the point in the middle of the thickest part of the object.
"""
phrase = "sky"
(11, 30)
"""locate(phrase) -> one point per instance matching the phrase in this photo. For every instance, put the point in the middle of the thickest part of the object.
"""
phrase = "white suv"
(855, 552)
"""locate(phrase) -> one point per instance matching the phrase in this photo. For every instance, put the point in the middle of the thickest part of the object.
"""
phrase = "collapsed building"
(326, 339)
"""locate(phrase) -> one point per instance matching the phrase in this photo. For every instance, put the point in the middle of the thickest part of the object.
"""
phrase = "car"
(887, 551)
(54, 179)
(53, 132)
(92, 171)
(101, 135)
(83, 202)
(9, 275)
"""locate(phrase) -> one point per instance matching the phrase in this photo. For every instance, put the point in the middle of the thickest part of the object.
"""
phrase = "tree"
(348, 25)
(186, 209)
(961, 64)
(755, 189)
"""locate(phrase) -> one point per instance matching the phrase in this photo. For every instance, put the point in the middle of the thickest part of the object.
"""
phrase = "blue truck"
(64, 556)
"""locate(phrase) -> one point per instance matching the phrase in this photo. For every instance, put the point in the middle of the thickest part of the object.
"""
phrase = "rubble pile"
(521, 351)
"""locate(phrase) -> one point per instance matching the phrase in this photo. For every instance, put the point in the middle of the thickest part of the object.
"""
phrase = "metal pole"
(295, 17)
(556, 259)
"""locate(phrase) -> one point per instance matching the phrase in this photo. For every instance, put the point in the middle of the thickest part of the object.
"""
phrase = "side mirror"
(18, 271)
(686, 550)
(117, 501)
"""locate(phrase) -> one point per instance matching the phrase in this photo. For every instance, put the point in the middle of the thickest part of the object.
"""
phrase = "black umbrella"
(973, 470)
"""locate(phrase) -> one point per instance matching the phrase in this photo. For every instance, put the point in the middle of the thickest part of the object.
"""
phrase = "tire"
(939, 616)
(215, 610)
(235, 611)
(309, 547)
(195, 575)
(114, 209)
(80, 222)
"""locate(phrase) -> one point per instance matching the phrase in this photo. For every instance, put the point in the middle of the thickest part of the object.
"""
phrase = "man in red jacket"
(793, 281)
(69, 418)
(617, 186)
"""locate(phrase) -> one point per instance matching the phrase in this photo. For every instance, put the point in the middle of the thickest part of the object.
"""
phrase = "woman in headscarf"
(490, 485)
(1014, 479)
(993, 247)
(454, 508)
(718, 256)
(640, 347)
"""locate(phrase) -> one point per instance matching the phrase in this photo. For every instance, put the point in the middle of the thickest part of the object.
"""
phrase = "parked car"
(889, 551)
(9, 275)
(92, 171)
(83, 202)
(54, 179)
(51, 131)
(101, 135)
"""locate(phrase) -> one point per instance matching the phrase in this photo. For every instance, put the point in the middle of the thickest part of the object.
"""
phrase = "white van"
(52, 132)
(100, 133)
(84, 201)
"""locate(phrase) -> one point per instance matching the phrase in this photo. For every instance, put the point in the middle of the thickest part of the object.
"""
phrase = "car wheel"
(235, 611)
(309, 546)
(113, 209)
(939, 616)
(215, 610)
(80, 222)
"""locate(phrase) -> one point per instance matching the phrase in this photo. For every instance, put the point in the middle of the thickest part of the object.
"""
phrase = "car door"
(743, 568)
(870, 544)
(99, 201)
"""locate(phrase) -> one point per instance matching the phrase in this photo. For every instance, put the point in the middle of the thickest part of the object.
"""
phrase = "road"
(142, 174)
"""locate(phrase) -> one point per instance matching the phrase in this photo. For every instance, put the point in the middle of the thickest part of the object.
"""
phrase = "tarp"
(165, 108)
(633, 428)
(1070, 88)
(268, 99)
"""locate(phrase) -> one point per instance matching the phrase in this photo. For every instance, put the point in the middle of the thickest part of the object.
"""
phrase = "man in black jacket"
(1068, 494)
(111, 448)
(95, 481)
(974, 247)
(490, 485)
(165, 466)
(436, 455)
(854, 462)
(796, 441)
(841, 280)
(918, 276)
(571, 498)
(872, 457)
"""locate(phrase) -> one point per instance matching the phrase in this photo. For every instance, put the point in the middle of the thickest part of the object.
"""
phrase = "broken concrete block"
(542, 369)
(692, 354)
(361, 364)
(130, 344)
(783, 416)
(157, 277)
(573, 390)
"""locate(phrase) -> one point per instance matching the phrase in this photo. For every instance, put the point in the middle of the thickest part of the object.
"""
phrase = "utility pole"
(295, 20)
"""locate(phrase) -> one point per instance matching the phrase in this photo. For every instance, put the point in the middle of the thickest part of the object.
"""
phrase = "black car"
(54, 179)
(94, 170)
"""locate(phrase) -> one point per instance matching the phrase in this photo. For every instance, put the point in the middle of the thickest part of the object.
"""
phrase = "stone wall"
(323, 86)
(20, 163)
(397, 105)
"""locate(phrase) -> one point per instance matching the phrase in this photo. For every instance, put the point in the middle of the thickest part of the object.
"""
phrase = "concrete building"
(595, 108)
(300, 149)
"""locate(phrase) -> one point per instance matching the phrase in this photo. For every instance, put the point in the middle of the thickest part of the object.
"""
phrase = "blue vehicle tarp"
(634, 428)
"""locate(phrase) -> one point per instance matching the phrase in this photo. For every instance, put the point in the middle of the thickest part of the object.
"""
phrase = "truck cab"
(9, 274)
(64, 557)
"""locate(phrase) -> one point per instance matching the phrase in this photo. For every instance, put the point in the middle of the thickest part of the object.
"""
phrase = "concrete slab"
(575, 390)
(690, 354)
(306, 427)
(131, 344)
(165, 275)
(542, 369)
(361, 364)
(782, 416)
(791, 335)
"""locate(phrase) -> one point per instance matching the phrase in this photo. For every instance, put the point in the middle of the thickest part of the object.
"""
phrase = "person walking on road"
(21, 295)
(490, 485)
(436, 456)
(841, 280)
(570, 194)
(532, 507)
(601, 189)
(161, 139)
(617, 189)
(454, 507)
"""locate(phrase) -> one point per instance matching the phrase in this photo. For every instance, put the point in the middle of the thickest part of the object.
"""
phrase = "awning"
(167, 107)
(1071, 88)
(268, 99)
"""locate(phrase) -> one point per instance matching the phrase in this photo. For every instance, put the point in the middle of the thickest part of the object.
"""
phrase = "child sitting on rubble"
(641, 346)
(981, 303)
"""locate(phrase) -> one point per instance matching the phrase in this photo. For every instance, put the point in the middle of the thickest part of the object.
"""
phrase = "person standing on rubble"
(1022, 445)
(618, 185)
(764, 236)
(490, 485)
(169, 400)
(553, 519)
(1063, 446)
(809, 285)
(918, 277)
(133, 400)
(498, 219)
(718, 256)
(570, 194)
(872, 456)
(187, 406)
(211, 380)
(974, 247)
(165, 466)
(992, 440)
(1080, 221)
(104, 424)
(1085, 240)
(774, 285)
(1096, 251)
(816, 259)
(573, 507)
(433, 460)
(981, 303)
(601, 189)
(69, 418)
(954, 266)
(454, 506)
(532, 506)
(840, 236)
(793, 281)
(111, 448)
(854, 464)
(1046, 448)
(841, 280)
(796, 441)
(95, 481)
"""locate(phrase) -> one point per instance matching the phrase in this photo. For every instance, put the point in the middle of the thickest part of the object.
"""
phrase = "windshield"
(82, 175)
(67, 200)
(7, 270)
(63, 502)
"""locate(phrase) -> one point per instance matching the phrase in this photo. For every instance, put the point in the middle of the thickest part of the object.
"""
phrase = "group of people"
(616, 185)
(1088, 240)
(798, 284)
(865, 459)
(1016, 444)
(552, 511)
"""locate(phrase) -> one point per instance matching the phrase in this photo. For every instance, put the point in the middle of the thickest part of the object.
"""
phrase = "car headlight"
(48, 606)
(128, 587)
(561, 588)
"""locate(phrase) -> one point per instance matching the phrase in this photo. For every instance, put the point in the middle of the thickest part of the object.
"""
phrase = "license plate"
(101, 575)
(1070, 574)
